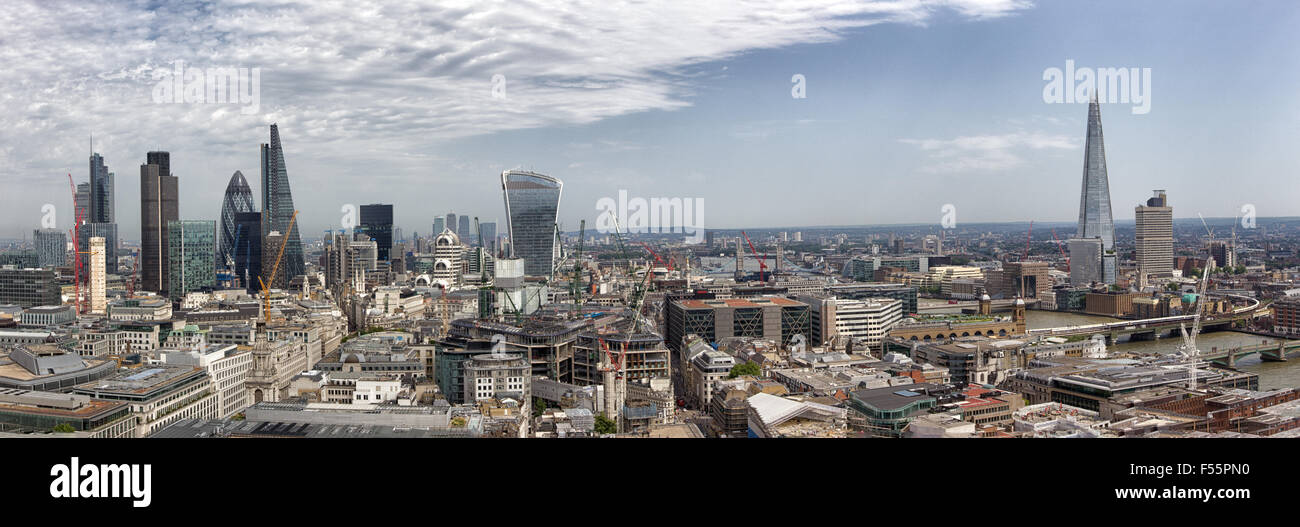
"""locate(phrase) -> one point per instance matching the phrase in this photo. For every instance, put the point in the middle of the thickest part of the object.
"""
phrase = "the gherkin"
(239, 198)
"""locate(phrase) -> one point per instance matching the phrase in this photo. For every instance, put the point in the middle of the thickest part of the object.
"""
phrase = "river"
(1271, 374)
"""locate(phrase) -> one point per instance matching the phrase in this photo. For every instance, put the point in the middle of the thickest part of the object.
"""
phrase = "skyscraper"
(377, 222)
(107, 231)
(1095, 220)
(463, 230)
(101, 193)
(1155, 235)
(81, 202)
(51, 247)
(439, 224)
(158, 205)
(532, 203)
(238, 198)
(247, 253)
(277, 210)
(192, 246)
(489, 230)
(451, 224)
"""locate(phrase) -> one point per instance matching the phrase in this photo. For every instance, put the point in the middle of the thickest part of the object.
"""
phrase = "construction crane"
(266, 289)
(575, 284)
(1028, 237)
(1062, 249)
(1188, 348)
(78, 216)
(762, 260)
(81, 303)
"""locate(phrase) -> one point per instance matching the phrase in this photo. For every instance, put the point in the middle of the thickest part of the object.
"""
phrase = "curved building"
(447, 252)
(532, 202)
(239, 198)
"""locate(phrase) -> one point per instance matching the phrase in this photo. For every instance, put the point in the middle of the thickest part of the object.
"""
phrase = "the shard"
(277, 211)
(1095, 220)
(239, 198)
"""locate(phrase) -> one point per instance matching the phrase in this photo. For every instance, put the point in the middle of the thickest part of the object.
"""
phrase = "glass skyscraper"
(532, 203)
(192, 249)
(277, 210)
(377, 222)
(1095, 220)
(238, 198)
(247, 254)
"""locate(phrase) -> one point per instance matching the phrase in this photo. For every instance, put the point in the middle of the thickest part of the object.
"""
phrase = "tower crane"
(762, 260)
(266, 289)
(78, 217)
(1062, 249)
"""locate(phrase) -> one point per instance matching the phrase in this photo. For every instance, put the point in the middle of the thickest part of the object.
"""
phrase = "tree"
(604, 425)
(64, 428)
(539, 406)
(1172, 286)
(748, 368)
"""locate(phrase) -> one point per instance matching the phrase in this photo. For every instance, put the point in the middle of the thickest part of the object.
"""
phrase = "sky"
(908, 106)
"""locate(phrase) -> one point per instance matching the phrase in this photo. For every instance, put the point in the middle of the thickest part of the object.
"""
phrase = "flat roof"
(740, 302)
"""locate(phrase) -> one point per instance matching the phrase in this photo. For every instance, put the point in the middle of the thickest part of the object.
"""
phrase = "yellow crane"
(266, 290)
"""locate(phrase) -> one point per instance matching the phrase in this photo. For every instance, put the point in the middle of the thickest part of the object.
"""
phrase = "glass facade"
(238, 199)
(277, 210)
(1095, 220)
(532, 202)
(192, 246)
(377, 222)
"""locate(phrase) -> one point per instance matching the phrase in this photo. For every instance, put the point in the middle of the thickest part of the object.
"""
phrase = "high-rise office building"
(102, 205)
(29, 287)
(1155, 235)
(439, 224)
(277, 211)
(158, 205)
(489, 230)
(451, 224)
(463, 230)
(1095, 220)
(1223, 253)
(377, 222)
(81, 202)
(532, 203)
(192, 250)
(247, 253)
(51, 247)
(238, 199)
(107, 231)
(98, 282)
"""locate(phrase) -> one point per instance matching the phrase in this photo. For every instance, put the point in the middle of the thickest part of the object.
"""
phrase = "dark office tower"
(438, 225)
(463, 230)
(239, 198)
(247, 252)
(1095, 219)
(101, 192)
(51, 247)
(277, 211)
(377, 222)
(532, 202)
(451, 224)
(81, 202)
(107, 231)
(489, 230)
(158, 205)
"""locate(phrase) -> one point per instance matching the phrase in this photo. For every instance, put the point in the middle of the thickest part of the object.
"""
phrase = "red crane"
(1062, 249)
(762, 260)
(652, 253)
(76, 248)
(1027, 238)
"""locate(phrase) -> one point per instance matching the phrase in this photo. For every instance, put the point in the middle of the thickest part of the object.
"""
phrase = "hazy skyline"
(909, 105)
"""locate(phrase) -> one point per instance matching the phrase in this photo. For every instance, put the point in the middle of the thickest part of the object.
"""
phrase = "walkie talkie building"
(532, 204)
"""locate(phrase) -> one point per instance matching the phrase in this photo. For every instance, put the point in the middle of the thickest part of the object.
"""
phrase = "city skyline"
(722, 117)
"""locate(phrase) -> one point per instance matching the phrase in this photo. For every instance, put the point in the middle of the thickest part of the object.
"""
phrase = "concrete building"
(159, 396)
(48, 368)
(51, 247)
(29, 287)
(98, 285)
(43, 316)
(866, 320)
(227, 365)
(498, 375)
(776, 318)
(1155, 236)
(140, 309)
(25, 413)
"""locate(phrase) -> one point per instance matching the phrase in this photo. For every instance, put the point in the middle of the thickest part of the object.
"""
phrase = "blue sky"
(910, 105)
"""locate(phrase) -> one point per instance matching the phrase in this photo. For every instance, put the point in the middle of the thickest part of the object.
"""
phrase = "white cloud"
(984, 153)
(373, 82)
